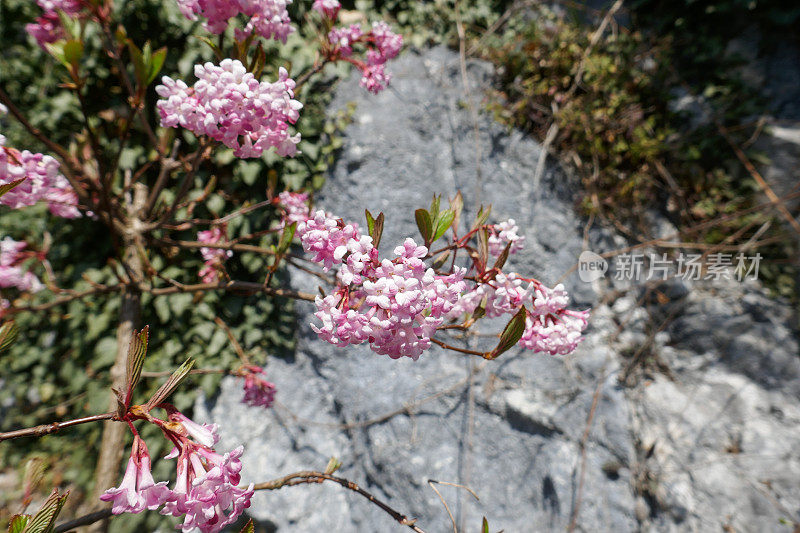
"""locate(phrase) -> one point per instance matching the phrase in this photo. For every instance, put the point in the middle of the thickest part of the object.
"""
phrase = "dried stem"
(299, 478)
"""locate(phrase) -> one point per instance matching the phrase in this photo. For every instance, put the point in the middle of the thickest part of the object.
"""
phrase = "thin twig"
(304, 477)
(102, 289)
(245, 286)
(85, 520)
(46, 429)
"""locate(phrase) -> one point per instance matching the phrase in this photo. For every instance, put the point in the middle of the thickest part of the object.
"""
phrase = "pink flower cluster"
(381, 46)
(549, 326)
(268, 18)
(213, 257)
(503, 233)
(295, 205)
(396, 305)
(206, 493)
(42, 182)
(228, 104)
(12, 272)
(258, 392)
(47, 28)
(327, 8)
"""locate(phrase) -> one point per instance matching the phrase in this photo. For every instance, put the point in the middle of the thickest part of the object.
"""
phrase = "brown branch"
(102, 289)
(85, 520)
(46, 429)
(299, 478)
(246, 286)
(457, 349)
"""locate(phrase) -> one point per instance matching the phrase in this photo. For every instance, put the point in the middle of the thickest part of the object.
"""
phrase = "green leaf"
(375, 227)
(73, 52)
(441, 259)
(483, 248)
(286, 237)
(501, 260)
(482, 217)
(485, 526)
(137, 350)
(8, 334)
(443, 222)
(44, 519)
(457, 205)
(18, 522)
(424, 224)
(334, 464)
(435, 206)
(248, 527)
(512, 333)
(170, 385)
(56, 50)
(8, 186)
(156, 63)
(370, 221)
(137, 59)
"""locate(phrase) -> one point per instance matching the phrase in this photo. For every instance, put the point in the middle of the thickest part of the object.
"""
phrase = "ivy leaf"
(424, 224)
(169, 387)
(511, 335)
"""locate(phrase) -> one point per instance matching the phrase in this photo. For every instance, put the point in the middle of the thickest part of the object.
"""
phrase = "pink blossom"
(228, 104)
(206, 492)
(397, 308)
(42, 182)
(268, 18)
(258, 392)
(554, 334)
(205, 434)
(138, 491)
(213, 257)
(47, 28)
(12, 272)
(381, 45)
(327, 8)
(503, 233)
(328, 238)
(295, 205)
(387, 43)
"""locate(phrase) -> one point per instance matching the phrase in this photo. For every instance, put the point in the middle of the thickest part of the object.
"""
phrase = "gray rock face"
(705, 436)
